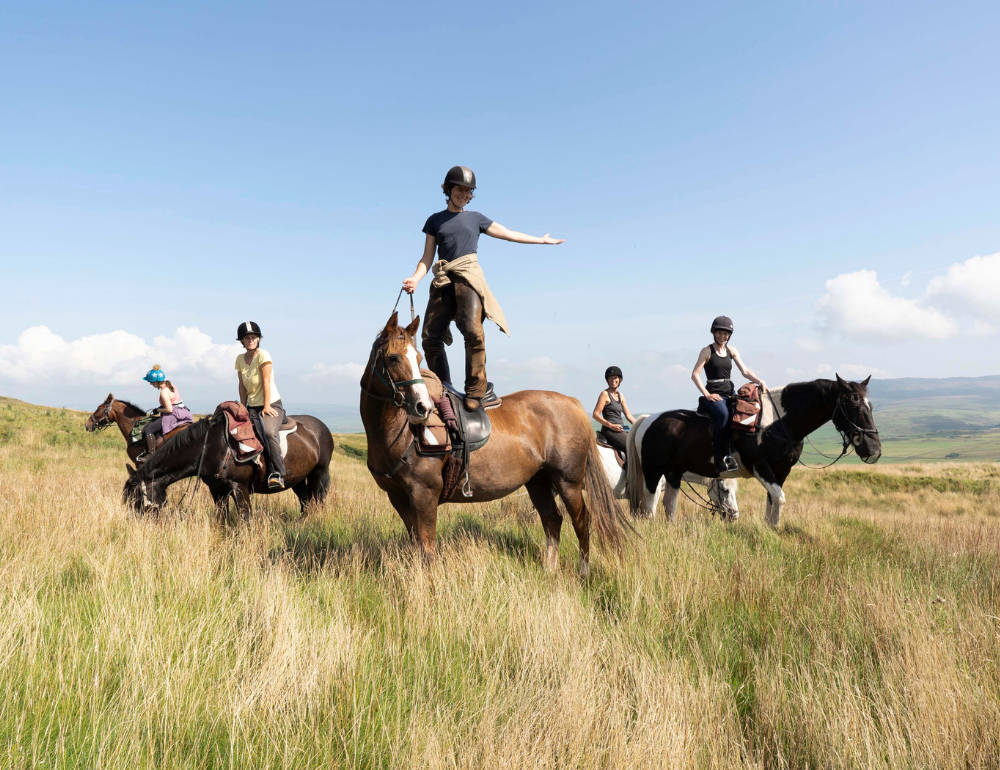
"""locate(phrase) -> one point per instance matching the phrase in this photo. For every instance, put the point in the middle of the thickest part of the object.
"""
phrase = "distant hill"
(923, 418)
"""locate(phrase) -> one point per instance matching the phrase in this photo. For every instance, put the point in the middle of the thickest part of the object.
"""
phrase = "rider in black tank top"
(718, 391)
(612, 411)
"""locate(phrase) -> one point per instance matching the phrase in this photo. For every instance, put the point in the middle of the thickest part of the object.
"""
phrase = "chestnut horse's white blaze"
(423, 397)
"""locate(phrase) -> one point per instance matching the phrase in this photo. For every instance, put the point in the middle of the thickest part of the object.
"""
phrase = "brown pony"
(540, 440)
(125, 414)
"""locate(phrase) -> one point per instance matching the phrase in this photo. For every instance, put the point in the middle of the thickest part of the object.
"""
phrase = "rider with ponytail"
(172, 410)
(260, 395)
(718, 392)
(611, 410)
(459, 291)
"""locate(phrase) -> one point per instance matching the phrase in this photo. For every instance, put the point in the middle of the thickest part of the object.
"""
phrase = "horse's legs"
(579, 514)
(313, 488)
(670, 490)
(775, 496)
(419, 514)
(542, 497)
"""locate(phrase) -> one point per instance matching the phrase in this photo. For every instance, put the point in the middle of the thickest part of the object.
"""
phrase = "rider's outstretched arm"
(410, 284)
(497, 230)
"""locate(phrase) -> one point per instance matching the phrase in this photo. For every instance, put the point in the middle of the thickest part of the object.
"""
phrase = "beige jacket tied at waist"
(467, 269)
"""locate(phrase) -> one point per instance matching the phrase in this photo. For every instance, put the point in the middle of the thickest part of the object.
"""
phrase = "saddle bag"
(747, 409)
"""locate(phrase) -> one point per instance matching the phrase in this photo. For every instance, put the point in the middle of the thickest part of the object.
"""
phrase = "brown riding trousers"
(458, 302)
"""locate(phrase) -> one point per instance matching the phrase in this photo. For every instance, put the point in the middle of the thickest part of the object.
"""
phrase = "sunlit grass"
(864, 632)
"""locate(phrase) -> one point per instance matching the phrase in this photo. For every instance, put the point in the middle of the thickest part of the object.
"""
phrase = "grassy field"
(865, 632)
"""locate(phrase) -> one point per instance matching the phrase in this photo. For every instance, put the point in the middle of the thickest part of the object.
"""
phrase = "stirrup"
(729, 464)
(274, 481)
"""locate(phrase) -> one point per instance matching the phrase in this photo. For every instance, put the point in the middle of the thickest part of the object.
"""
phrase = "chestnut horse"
(124, 414)
(540, 440)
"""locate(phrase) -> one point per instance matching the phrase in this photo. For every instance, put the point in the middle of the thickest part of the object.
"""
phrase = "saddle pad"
(747, 409)
(283, 437)
(142, 422)
(473, 427)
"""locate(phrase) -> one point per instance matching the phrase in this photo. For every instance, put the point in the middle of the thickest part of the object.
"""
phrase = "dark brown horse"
(203, 450)
(125, 414)
(540, 440)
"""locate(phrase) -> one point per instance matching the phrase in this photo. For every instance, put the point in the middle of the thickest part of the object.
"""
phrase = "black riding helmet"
(722, 323)
(248, 327)
(460, 175)
(613, 371)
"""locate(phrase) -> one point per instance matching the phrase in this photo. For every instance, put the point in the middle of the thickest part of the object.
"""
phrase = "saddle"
(619, 456)
(244, 438)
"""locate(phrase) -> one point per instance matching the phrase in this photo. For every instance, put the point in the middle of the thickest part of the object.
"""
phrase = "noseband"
(105, 419)
(381, 372)
(855, 433)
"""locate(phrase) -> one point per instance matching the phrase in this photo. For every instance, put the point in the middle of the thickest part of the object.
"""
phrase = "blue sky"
(827, 176)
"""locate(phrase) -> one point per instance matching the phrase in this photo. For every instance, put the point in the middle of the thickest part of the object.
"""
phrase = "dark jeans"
(268, 427)
(617, 440)
(156, 426)
(718, 419)
(460, 303)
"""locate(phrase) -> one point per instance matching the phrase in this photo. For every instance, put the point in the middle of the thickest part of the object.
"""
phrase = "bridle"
(381, 372)
(105, 420)
(853, 435)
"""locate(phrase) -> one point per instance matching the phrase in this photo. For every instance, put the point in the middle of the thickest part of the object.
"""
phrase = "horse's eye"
(393, 359)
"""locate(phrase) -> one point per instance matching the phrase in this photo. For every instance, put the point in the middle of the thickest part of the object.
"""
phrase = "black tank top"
(613, 411)
(719, 368)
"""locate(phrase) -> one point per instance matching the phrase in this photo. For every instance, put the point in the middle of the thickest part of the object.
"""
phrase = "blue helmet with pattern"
(155, 375)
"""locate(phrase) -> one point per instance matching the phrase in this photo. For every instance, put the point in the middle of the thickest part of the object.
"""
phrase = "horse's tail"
(605, 515)
(634, 479)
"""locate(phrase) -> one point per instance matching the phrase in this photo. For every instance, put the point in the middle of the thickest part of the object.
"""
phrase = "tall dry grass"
(865, 632)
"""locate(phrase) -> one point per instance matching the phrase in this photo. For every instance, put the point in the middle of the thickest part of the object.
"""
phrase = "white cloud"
(983, 329)
(335, 373)
(113, 358)
(973, 285)
(856, 305)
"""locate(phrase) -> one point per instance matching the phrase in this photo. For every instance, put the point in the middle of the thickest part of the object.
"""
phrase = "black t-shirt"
(457, 234)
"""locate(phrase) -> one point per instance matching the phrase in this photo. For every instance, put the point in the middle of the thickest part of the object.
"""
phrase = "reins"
(396, 396)
(850, 438)
(189, 494)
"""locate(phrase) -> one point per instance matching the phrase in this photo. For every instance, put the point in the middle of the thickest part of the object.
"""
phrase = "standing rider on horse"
(718, 393)
(260, 395)
(459, 291)
(172, 411)
(610, 411)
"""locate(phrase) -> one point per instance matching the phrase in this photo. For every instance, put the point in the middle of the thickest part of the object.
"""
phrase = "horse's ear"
(842, 382)
(413, 327)
(111, 397)
(131, 471)
(867, 380)
(393, 321)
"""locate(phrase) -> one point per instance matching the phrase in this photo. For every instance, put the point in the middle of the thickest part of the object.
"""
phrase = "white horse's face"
(723, 493)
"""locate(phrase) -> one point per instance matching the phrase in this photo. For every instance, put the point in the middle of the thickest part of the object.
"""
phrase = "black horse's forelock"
(174, 444)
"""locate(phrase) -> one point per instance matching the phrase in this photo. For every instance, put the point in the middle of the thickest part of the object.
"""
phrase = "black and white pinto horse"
(721, 492)
(673, 443)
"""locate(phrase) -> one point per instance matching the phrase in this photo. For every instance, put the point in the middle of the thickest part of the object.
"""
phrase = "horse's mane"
(130, 405)
(174, 444)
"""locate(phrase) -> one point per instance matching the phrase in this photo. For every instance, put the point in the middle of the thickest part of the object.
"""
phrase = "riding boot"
(469, 319)
(720, 450)
(150, 443)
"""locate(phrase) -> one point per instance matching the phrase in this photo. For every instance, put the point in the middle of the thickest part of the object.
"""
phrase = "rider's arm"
(497, 230)
(746, 369)
(265, 378)
(410, 284)
(601, 403)
(165, 405)
(244, 396)
(696, 373)
(628, 414)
